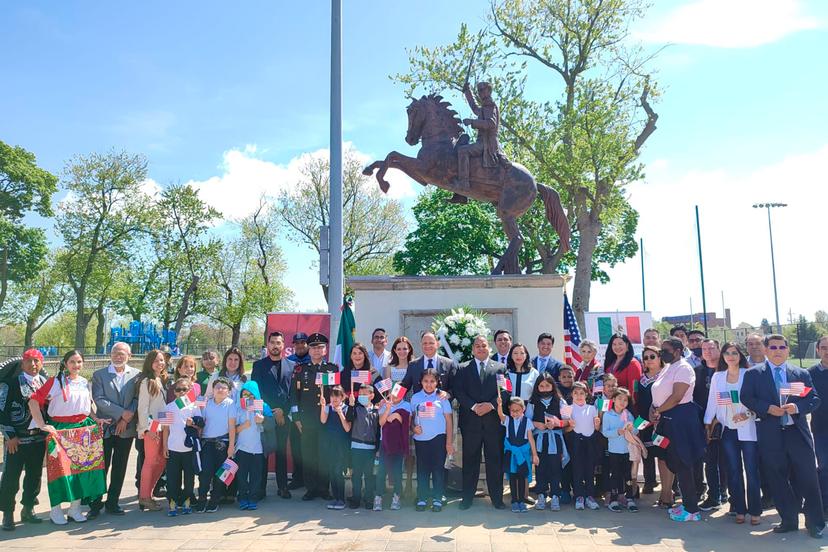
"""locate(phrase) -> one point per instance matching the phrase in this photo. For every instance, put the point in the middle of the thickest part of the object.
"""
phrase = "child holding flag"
(617, 426)
(432, 425)
(586, 423)
(219, 443)
(395, 422)
(518, 445)
(250, 415)
(364, 419)
(181, 459)
(333, 443)
(550, 415)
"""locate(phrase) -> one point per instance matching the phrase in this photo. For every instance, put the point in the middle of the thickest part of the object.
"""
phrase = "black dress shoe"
(310, 495)
(8, 521)
(465, 505)
(284, 493)
(28, 516)
(114, 510)
(781, 528)
(815, 533)
(499, 506)
(93, 513)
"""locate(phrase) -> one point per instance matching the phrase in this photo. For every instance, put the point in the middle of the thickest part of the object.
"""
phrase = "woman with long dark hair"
(67, 401)
(738, 440)
(232, 368)
(521, 373)
(653, 365)
(152, 399)
(402, 352)
(621, 363)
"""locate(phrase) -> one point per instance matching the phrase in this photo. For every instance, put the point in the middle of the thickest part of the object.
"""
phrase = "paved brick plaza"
(295, 525)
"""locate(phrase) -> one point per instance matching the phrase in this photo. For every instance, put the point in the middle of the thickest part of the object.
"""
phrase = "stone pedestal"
(525, 304)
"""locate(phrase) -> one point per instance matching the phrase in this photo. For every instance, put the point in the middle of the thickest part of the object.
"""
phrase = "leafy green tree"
(24, 188)
(584, 138)
(105, 211)
(373, 225)
(247, 281)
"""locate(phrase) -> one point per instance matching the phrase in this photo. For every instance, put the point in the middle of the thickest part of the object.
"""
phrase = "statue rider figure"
(487, 124)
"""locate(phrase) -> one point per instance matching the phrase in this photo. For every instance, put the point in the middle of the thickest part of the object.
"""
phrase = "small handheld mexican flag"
(383, 386)
(640, 423)
(661, 441)
(603, 404)
(504, 383)
(186, 400)
(327, 378)
(398, 391)
(227, 472)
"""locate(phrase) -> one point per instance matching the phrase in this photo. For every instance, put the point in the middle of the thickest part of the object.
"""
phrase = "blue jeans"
(389, 466)
(249, 475)
(736, 454)
(821, 444)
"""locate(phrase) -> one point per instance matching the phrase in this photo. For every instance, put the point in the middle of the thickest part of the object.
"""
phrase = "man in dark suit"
(819, 419)
(503, 344)
(544, 362)
(785, 444)
(445, 366)
(475, 387)
(273, 374)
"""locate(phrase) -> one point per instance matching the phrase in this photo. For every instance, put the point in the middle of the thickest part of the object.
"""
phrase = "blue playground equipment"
(141, 337)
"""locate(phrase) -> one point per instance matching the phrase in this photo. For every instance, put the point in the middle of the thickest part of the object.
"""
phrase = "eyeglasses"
(649, 357)
(777, 347)
(181, 389)
(731, 352)
(694, 340)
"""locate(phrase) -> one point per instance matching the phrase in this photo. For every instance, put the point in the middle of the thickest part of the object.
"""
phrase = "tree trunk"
(185, 306)
(28, 336)
(236, 335)
(99, 330)
(81, 320)
(4, 276)
(589, 227)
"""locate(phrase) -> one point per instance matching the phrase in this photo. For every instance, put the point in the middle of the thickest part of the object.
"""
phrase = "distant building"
(712, 320)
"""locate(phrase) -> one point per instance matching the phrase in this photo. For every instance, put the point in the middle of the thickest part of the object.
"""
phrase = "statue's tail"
(555, 214)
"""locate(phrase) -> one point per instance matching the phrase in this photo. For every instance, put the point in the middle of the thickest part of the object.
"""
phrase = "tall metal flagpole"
(336, 267)
(643, 290)
(701, 270)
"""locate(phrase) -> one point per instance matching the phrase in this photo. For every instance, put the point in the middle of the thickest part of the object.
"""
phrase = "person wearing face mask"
(677, 418)
(695, 338)
(364, 419)
(550, 415)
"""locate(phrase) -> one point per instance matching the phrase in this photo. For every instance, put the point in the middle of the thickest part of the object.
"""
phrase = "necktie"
(430, 364)
(777, 378)
(482, 368)
(541, 364)
(502, 359)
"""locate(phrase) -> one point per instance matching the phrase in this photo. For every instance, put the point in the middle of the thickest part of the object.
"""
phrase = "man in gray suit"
(445, 367)
(116, 398)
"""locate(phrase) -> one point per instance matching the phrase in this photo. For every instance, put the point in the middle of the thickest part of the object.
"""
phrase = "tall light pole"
(768, 206)
(336, 268)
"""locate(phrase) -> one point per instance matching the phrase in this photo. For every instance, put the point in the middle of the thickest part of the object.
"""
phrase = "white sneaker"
(555, 504)
(74, 512)
(540, 504)
(579, 503)
(591, 504)
(395, 502)
(378, 504)
(57, 517)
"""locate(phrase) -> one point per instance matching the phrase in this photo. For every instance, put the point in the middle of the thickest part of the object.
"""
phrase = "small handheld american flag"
(427, 410)
(795, 388)
(383, 386)
(566, 411)
(724, 398)
(361, 376)
(200, 402)
(598, 387)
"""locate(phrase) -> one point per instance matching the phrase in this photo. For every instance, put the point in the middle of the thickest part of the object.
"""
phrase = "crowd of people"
(722, 426)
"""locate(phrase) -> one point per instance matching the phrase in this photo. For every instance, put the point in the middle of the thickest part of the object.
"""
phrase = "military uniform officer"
(24, 443)
(305, 394)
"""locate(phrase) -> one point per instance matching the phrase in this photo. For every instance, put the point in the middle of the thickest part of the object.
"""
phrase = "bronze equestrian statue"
(478, 171)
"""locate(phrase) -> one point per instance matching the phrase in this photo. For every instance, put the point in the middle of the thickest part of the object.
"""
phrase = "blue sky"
(230, 97)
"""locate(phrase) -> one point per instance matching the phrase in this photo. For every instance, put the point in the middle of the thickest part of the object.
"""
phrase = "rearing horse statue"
(510, 187)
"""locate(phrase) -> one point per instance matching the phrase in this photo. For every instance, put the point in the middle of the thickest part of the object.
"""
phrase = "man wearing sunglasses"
(785, 443)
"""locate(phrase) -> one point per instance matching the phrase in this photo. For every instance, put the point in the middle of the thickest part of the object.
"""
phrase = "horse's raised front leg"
(508, 263)
(395, 160)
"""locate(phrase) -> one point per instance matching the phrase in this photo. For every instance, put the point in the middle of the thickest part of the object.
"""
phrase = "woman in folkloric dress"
(67, 401)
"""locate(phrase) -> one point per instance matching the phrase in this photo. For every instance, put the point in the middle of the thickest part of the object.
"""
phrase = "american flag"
(566, 411)
(572, 336)
(384, 386)
(361, 376)
(724, 398)
(795, 388)
(427, 410)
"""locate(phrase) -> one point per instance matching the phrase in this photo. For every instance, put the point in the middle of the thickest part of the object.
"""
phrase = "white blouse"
(746, 430)
(78, 399)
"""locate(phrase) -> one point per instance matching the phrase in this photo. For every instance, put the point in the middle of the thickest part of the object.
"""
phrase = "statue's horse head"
(430, 117)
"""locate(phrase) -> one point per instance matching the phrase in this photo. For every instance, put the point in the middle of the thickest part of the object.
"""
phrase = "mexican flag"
(603, 405)
(186, 400)
(227, 472)
(640, 423)
(327, 378)
(346, 337)
(398, 391)
(661, 441)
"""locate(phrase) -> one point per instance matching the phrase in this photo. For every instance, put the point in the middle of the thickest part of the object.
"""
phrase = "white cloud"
(730, 23)
(245, 178)
(735, 243)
